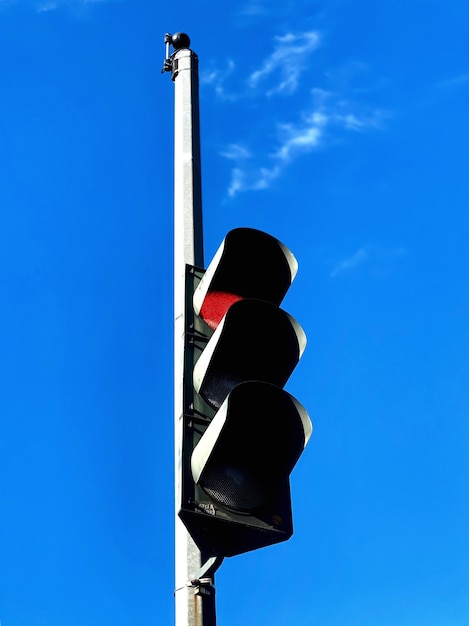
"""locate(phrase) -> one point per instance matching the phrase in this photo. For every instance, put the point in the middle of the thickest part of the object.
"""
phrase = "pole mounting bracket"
(204, 575)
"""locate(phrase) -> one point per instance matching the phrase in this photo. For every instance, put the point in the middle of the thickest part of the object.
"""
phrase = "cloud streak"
(350, 262)
(316, 113)
(45, 6)
(293, 141)
(279, 72)
(380, 259)
(455, 81)
(216, 79)
(280, 63)
(302, 137)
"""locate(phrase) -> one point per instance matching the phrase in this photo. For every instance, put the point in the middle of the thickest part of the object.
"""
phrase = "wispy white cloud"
(279, 72)
(251, 179)
(216, 78)
(359, 257)
(302, 137)
(351, 121)
(45, 6)
(253, 8)
(380, 260)
(455, 81)
(236, 152)
(315, 114)
(286, 63)
(349, 76)
(244, 175)
(294, 139)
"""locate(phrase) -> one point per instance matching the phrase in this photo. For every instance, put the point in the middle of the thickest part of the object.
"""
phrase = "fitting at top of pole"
(178, 41)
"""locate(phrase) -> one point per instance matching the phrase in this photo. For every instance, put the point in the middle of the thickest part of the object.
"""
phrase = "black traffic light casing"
(242, 433)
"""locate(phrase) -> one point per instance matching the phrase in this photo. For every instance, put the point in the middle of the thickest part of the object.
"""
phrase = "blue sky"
(342, 129)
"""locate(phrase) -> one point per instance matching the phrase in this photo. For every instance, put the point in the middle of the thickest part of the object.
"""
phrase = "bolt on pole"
(194, 593)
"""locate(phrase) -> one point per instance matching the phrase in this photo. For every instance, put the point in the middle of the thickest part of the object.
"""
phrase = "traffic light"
(242, 432)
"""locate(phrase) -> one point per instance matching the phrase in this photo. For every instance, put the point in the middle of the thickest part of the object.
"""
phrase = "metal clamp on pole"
(204, 588)
(178, 41)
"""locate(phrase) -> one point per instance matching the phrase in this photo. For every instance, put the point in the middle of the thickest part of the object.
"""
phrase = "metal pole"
(194, 595)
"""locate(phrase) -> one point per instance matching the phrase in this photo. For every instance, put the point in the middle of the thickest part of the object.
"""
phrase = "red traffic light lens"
(215, 305)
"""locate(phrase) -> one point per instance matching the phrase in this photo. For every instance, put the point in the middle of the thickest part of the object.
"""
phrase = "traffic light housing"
(242, 432)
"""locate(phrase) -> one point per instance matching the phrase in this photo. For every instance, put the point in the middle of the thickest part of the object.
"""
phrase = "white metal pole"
(194, 605)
